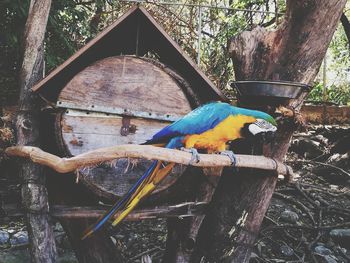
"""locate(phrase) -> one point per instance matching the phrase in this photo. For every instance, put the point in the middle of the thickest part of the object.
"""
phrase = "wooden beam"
(188, 209)
(65, 165)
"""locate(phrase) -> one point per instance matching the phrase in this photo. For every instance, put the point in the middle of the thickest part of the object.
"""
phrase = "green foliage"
(338, 94)
(72, 23)
(66, 31)
(12, 20)
(317, 93)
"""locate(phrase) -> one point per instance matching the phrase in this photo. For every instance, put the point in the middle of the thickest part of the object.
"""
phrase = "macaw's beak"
(262, 131)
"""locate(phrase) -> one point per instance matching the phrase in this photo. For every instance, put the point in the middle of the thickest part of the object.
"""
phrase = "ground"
(307, 221)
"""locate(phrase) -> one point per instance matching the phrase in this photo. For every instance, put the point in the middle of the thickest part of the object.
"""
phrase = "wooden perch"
(65, 165)
(188, 209)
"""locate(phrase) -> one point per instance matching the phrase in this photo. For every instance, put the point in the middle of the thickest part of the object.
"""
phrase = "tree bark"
(182, 233)
(34, 193)
(293, 52)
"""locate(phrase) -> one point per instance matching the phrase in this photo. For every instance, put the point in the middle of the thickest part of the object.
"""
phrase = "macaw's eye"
(261, 126)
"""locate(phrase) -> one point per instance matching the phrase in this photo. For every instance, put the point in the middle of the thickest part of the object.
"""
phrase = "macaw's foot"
(195, 156)
(230, 155)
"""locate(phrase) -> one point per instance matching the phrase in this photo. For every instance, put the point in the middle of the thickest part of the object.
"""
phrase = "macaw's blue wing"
(197, 121)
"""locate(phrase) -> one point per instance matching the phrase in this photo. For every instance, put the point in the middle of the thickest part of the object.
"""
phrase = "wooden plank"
(126, 82)
(80, 134)
(84, 133)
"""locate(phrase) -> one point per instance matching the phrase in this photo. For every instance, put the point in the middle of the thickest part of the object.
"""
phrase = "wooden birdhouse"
(113, 91)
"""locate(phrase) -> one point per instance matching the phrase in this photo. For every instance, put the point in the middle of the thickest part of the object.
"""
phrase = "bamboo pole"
(65, 165)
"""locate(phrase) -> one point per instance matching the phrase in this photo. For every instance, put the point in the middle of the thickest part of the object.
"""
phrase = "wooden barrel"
(119, 100)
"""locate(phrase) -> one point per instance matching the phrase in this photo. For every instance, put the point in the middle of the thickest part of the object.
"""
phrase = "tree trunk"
(182, 233)
(34, 193)
(293, 52)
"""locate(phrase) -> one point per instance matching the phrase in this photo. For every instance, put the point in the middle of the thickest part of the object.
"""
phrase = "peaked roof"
(136, 32)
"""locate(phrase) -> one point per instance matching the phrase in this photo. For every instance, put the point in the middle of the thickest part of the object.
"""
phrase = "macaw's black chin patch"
(263, 136)
(245, 133)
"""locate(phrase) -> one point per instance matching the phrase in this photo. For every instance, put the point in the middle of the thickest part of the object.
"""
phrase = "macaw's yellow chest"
(214, 140)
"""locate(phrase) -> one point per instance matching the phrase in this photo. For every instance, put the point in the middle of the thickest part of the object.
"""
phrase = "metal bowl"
(279, 89)
(258, 93)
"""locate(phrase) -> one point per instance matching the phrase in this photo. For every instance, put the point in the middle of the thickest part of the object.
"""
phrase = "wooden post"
(294, 51)
(34, 193)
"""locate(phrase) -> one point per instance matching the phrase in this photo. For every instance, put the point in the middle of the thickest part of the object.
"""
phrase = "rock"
(321, 139)
(15, 256)
(342, 145)
(307, 148)
(343, 250)
(339, 159)
(4, 237)
(146, 259)
(20, 238)
(114, 241)
(58, 227)
(286, 250)
(330, 259)
(12, 224)
(323, 250)
(289, 216)
(67, 257)
(332, 175)
(11, 230)
(341, 236)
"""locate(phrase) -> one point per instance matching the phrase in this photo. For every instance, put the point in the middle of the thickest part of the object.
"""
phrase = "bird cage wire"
(204, 28)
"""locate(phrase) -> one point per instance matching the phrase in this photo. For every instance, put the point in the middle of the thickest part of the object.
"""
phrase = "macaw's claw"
(230, 155)
(195, 156)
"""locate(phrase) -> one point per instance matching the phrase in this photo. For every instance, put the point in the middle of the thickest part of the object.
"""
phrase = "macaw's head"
(264, 128)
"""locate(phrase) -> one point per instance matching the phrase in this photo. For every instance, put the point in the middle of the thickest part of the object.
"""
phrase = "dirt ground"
(307, 221)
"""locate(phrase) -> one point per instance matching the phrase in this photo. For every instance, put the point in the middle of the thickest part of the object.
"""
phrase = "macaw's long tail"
(144, 186)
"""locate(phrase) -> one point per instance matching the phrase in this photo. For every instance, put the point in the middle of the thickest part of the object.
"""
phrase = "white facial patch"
(260, 126)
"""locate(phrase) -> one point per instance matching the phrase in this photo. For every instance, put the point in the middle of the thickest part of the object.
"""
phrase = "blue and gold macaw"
(209, 127)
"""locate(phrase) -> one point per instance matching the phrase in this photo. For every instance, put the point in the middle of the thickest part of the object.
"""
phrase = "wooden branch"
(65, 165)
(188, 209)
